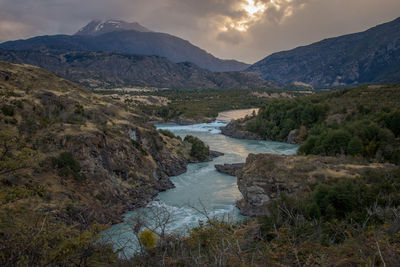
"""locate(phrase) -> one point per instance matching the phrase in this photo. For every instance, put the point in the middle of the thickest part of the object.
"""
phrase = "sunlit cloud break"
(254, 11)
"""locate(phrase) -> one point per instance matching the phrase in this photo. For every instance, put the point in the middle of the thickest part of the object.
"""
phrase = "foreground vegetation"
(363, 121)
(340, 222)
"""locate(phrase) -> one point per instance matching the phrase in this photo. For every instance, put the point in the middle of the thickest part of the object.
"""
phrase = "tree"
(355, 146)
(199, 150)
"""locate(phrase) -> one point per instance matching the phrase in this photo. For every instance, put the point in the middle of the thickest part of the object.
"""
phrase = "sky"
(246, 30)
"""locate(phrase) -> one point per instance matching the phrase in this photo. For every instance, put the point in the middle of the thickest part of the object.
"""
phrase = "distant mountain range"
(96, 69)
(106, 53)
(372, 56)
(132, 38)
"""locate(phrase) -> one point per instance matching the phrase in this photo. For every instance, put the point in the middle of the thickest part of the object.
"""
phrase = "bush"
(148, 239)
(199, 150)
(355, 146)
(68, 166)
(393, 123)
(8, 110)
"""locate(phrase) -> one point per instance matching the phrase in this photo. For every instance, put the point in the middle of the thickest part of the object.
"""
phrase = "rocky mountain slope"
(81, 157)
(372, 56)
(128, 41)
(111, 69)
(98, 27)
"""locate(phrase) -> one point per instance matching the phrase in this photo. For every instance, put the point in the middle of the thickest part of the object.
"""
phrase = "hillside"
(90, 157)
(372, 56)
(111, 69)
(362, 121)
(132, 42)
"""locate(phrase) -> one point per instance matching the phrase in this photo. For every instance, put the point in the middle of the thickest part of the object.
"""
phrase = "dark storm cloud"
(222, 27)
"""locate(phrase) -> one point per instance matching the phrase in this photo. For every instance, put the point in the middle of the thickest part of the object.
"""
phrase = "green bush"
(199, 150)
(355, 146)
(68, 166)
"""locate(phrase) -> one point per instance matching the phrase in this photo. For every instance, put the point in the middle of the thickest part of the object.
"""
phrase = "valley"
(124, 146)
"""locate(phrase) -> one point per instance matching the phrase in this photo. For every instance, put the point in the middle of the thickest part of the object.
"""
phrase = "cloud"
(242, 29)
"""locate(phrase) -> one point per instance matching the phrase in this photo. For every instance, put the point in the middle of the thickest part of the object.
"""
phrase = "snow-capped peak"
(97, 27)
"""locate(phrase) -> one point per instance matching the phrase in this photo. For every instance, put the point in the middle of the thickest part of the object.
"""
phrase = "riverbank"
(201, 187)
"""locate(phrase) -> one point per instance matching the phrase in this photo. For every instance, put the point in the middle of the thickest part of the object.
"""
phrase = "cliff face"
(266, 176)
(92, 157)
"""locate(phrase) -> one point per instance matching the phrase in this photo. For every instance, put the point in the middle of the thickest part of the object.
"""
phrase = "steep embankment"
(76, 155)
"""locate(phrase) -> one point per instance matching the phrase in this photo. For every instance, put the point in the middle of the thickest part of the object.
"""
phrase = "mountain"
(98, 27)
(128, 41)
(112, 69)
(372, 56)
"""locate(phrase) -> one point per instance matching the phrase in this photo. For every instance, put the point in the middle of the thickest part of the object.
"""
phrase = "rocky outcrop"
(215, 154)
(236, 129)
(266, 176)
(230, 169)
(292, 137)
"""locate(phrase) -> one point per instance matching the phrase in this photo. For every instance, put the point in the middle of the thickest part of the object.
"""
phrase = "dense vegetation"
(363, 121)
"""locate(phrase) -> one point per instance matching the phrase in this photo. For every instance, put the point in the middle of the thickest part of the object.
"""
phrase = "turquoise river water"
(201, 190)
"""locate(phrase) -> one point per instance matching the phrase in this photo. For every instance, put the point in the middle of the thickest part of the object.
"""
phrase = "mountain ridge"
(133, 42)
(372, 56)
(95, 69)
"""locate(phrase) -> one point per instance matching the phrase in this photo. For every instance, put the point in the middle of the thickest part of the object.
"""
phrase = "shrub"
(67, 166)
(393, 122)
(355, 146)
(8, 110)
(79, 110)
(148, 239)
(199, 150)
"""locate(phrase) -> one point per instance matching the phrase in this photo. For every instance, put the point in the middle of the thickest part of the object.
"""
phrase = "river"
(200, 190)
